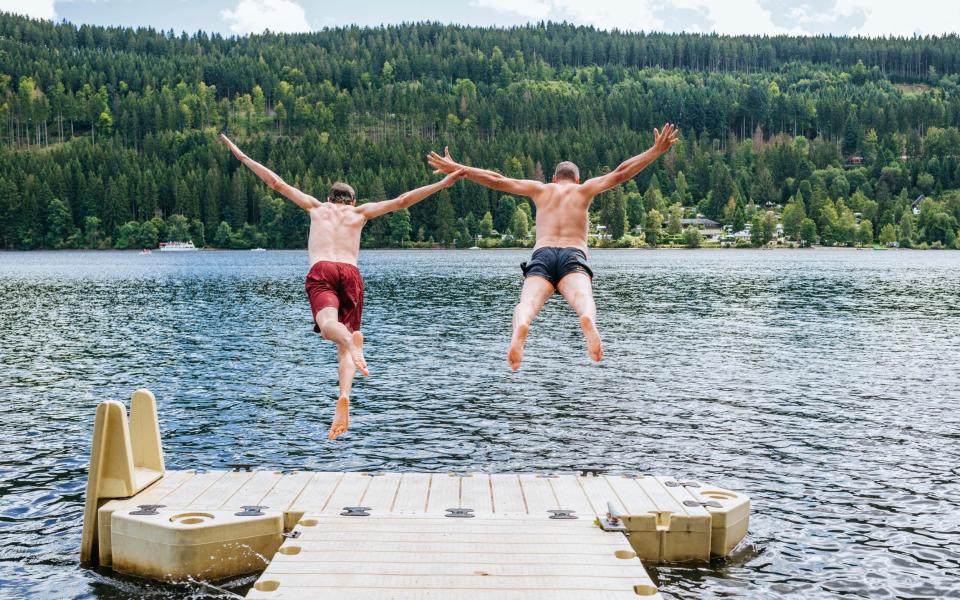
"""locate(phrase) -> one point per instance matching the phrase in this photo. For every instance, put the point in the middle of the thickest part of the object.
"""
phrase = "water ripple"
(822, 383)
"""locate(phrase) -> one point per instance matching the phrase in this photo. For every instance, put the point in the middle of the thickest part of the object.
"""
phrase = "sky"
(771, 17)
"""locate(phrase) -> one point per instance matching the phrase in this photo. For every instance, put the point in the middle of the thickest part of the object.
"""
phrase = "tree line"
(108, 135)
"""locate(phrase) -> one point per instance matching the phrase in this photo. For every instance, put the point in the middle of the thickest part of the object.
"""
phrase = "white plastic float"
(391, 535)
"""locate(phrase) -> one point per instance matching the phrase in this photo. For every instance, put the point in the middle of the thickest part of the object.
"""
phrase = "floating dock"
(401, 536)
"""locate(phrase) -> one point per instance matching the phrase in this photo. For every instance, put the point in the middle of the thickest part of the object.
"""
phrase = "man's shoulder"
(571, 191)
(554, 189)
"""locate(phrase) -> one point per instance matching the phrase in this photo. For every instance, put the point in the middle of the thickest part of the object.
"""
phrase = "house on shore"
(709, 228)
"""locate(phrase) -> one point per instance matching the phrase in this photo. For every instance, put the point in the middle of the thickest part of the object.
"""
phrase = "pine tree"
(613, 213)
(635, 210)
(520, 224)
(445, 220)
(503, 214)
(888, 234)
(793, 216)
(653, 226)
(400, 227)
(674, 225)
(60, 227)
(808, 232)
(486, 225)
(906, 231)
(224, 234)
(682, 192)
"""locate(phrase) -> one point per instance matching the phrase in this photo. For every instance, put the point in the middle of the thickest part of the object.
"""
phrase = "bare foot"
(356, 353)
(590, 333)
(341, 418)
(515, 354)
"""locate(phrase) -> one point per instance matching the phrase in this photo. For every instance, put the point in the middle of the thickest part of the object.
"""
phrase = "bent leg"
(577, 290)
(535, 293)
(335, 331)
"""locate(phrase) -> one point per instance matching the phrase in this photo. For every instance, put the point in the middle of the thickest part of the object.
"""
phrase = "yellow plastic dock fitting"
(401, 536)
(176, 545)
(124, 458)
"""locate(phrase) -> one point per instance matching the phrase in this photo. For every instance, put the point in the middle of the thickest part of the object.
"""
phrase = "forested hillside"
(109, 134)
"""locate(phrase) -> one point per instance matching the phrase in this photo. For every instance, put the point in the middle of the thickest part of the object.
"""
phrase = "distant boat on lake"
(258, 249)
(146, 251)
(177, 247)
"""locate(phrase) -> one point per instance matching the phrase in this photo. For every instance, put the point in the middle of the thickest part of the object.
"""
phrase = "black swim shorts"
(553, 264)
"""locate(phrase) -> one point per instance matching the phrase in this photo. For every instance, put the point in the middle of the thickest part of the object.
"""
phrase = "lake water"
(822, 383)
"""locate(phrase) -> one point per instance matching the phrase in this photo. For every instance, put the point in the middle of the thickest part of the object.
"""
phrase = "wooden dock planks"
(413, 557)
(313, 497)
(414, 493)
(507, 495)
(409, 549)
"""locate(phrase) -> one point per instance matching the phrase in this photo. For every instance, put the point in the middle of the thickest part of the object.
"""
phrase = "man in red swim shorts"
(334, 285)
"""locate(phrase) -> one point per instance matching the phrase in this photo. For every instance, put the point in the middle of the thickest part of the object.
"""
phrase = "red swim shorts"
(338, 285)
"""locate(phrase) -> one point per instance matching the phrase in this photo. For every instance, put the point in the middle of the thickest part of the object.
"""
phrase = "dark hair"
(341, 193)
(567, 170)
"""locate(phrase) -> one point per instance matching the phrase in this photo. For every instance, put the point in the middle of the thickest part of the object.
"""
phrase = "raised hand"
(663, 140)
(233, 147)
(443, 164)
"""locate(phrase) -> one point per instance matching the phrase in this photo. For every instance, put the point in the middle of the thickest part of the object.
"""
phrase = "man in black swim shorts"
(559, 261)
(553, 264)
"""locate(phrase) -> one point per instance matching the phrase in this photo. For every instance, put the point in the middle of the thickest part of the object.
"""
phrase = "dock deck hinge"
(237, 467)
(562, 513)
(460, 513)
(681, 484)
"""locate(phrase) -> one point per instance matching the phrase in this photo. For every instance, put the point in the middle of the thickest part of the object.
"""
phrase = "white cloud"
(758, 17)
(612, 14)
(255, 16)
(535, 10)
(926, 17)
(38, 9)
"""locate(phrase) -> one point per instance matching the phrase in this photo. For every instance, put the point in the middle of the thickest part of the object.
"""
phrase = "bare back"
(562, 217)
(334, 233)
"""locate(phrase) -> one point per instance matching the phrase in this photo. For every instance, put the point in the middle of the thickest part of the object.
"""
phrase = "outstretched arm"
(490, 179)
(304, 201)
(628, 169)
(372, 210)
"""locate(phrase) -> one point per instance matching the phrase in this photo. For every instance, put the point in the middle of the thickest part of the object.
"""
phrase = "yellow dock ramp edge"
(125, 457)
